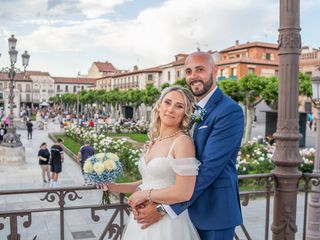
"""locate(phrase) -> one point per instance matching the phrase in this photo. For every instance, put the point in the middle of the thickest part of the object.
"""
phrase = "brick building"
(252, 57)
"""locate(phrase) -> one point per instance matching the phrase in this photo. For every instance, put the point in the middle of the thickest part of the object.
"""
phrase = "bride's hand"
(137, 198)
(112, 187)
(103, 187)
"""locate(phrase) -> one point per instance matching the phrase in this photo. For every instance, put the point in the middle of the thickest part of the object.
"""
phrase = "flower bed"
(102, 144)
(254, 157)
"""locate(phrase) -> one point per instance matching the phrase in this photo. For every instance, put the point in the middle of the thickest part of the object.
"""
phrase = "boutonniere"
(198, 114)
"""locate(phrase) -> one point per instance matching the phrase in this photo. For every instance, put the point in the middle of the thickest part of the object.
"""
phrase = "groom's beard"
(206, 88)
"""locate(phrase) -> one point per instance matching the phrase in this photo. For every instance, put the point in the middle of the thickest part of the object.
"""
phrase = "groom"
(214, 208)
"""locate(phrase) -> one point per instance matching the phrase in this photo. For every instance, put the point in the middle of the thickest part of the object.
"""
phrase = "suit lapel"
(210, 105)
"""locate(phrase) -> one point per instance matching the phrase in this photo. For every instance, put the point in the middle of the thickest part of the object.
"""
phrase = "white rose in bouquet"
(88, 167)
(99, 168)
(109, 165)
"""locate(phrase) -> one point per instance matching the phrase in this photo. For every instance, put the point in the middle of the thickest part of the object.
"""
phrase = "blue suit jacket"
(215, 202)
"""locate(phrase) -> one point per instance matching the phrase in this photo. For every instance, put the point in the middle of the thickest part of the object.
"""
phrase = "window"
(251, 70)
(168, 75)
(221, 72)
(58, 88)
(150, 77)
(28, 88)
(267, 56)
(82, 87)
(74, 88)
(19, 87)
(1, 96)
(178, 74)
(1, 86)
(66, 88)
(233, 72)
(28, 98)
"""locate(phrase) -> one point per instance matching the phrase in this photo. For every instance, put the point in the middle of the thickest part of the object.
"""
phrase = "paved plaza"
(46, 225)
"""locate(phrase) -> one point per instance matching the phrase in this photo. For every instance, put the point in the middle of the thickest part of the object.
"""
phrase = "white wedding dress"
(160, 172)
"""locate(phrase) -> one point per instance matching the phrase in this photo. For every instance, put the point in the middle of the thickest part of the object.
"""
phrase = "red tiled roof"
(146, 70)
(18, 77)
(247, 60)
(75, 80)
(37, 73)
(250, 45)
(105, 67)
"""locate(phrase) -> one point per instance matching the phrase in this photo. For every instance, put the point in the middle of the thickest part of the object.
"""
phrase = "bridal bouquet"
(103, 168)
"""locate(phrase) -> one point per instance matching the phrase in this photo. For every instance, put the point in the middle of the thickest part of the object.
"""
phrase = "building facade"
(135, 79)
(64, 85)
(309, 60)
(42, 87)
(257, 57)
(22, 92)
(173, 71)
(101, 69)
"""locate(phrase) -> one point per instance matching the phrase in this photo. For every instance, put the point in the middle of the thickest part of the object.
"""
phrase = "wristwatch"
(161, 209)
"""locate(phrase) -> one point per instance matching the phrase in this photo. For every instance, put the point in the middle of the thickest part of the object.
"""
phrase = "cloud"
(97, 8)
(154, 36)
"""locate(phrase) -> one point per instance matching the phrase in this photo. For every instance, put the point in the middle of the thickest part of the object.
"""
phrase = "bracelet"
(149, 195)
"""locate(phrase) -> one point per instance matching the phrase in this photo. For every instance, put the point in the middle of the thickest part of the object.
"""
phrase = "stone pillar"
(313, 227)
(286, 156)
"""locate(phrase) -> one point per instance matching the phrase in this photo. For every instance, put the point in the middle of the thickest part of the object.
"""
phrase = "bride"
(168, 169)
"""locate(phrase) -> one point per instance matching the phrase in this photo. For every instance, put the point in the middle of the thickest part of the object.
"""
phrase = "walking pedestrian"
(86, 151)
(29, 128)
(57, 158)
(3, 131)
(44, 157)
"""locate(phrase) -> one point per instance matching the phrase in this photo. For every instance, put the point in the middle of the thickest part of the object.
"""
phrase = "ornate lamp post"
(286, 156)
(313, 228)
(11, 139)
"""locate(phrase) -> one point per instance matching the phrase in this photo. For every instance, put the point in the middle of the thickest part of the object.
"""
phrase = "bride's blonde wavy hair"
(154, 129)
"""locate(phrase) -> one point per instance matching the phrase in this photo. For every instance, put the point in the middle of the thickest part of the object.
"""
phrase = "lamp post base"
(12, 155)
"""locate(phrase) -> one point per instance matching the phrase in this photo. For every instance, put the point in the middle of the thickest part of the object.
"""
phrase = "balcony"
(221, 78)
(57, 204)
(233, 77)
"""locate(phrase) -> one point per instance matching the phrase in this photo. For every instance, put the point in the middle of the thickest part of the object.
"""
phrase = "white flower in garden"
(98, 168)
(88, 167)
(269, 155)
(112, 157)
(312, 150)
(261, 159)
(109, 165)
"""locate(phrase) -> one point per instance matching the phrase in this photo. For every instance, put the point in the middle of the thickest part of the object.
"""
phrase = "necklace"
(169, 136)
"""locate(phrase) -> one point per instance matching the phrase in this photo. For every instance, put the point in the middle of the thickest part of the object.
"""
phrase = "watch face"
(161, 210)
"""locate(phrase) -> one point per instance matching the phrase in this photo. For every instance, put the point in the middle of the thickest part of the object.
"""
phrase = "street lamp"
(313, 231)
(11, 138)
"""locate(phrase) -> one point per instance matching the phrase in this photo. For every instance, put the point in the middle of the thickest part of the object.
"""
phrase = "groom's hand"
(147, 215)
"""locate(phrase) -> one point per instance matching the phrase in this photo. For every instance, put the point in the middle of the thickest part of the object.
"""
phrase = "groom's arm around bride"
(214, 208)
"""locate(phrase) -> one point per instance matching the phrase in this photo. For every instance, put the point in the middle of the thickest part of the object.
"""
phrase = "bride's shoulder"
(184, 147)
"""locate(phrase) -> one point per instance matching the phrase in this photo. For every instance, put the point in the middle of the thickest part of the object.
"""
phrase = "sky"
(64, 37)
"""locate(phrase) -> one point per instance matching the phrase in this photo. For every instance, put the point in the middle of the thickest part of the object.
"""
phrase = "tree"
(181, 82)
(231, 88)
(164, 85)
(270, 92)
(150, 95)
(247, 91)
